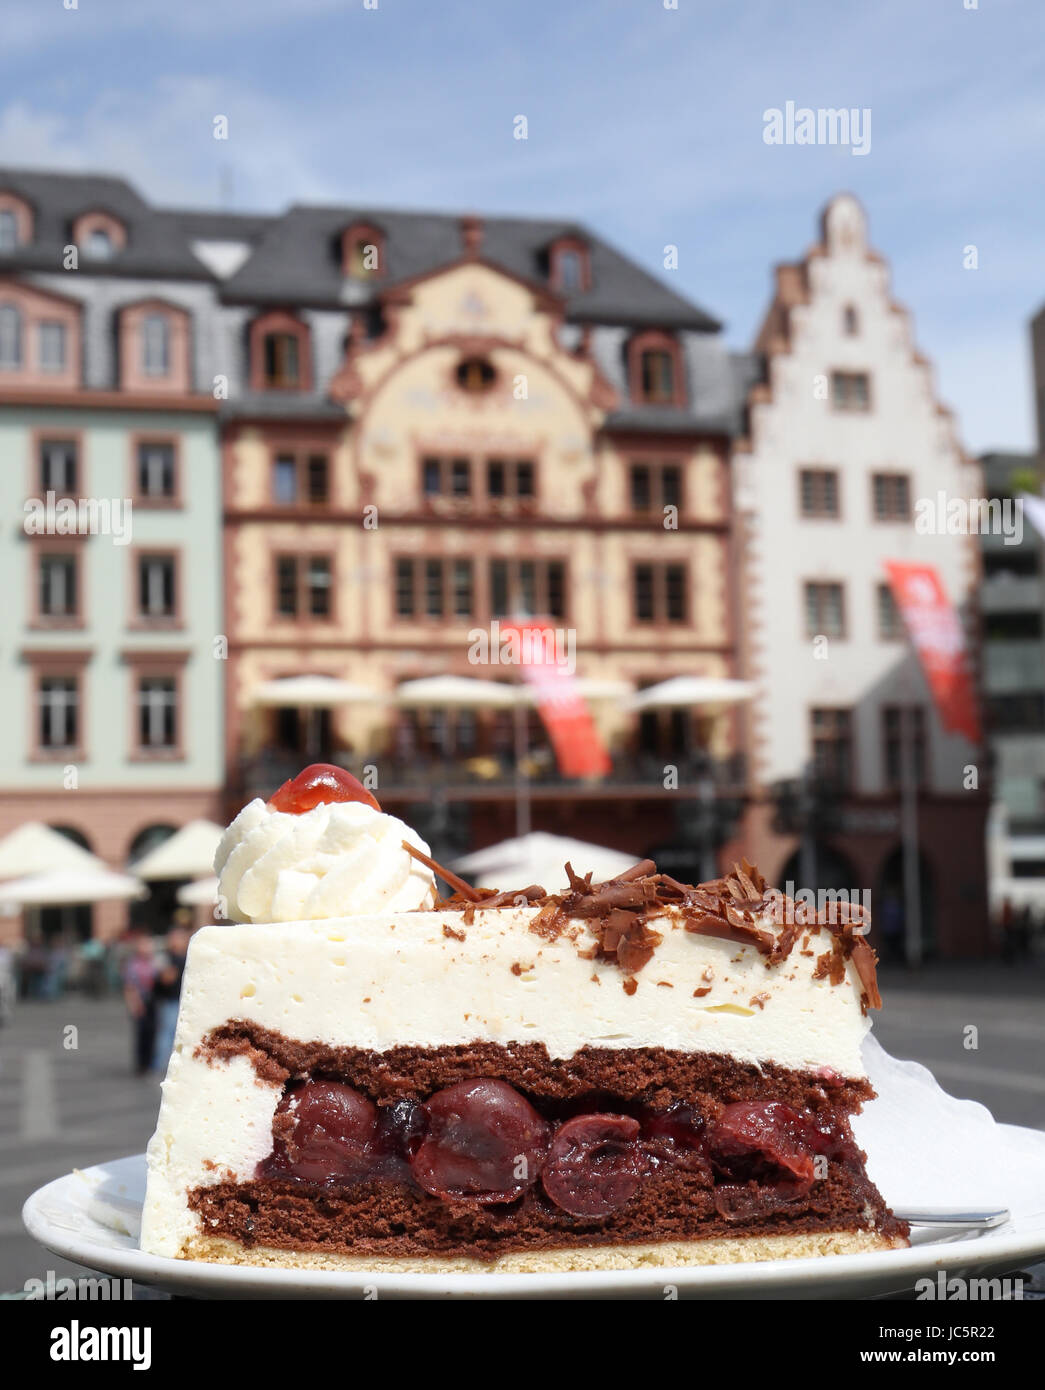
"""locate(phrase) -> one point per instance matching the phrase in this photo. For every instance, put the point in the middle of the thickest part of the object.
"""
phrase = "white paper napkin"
(925, 1148)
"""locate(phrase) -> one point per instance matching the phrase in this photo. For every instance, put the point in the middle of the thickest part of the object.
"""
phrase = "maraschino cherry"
(319, 783)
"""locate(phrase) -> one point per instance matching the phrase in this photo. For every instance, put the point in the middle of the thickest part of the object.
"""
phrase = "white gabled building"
(846, 437)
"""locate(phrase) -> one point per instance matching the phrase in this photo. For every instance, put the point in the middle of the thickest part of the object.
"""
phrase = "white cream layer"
(386, 980)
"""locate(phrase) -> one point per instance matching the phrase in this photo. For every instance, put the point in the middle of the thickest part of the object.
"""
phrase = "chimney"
(471, 235)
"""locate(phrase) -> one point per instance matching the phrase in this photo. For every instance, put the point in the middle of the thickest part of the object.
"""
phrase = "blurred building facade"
(445, 422)
(110, 691)
(847, 441)
(356, 438)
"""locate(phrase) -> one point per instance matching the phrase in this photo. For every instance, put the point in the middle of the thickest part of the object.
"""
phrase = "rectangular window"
(851, 390)
(52, 345)
(641, 488)
(892, 496)
(460, 478)
(660, 593)
(156, 345)
(156, 470)
(825, 610)
(818, 492)
(405, 588)
(318, 473)
(442, 477)
(304, 586)
(831, 736)
(433, 588)
(10, 335)
(500, 595)
(285, 480)
(58, 586)
(280, 352)
(157, 712)
(319, 586)
(528, 588)
(462, 589)
(59, 711)
(890, 623)
(514, 479)
(446, 588)
(654, 486)
(903, 725)
(156, 585)
(59, 471)
(287, 586)
(496, 478)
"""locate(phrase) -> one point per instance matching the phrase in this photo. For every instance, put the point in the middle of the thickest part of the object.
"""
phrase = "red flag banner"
(936, 631)
(534, 644)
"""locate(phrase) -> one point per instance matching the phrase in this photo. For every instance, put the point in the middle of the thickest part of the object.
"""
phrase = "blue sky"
(644, 122)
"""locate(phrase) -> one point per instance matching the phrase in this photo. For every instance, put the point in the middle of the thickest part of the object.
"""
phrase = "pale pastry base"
(665, 1255)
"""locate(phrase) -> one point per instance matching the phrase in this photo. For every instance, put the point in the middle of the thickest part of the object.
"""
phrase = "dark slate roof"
(220, 226)
(296, 256)
(298, 262)
(156, 245)
(999, 466)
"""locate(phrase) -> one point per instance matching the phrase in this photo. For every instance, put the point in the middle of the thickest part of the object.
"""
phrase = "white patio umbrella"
(70, 887)
(35, 848)
(684, 691)
(458, 692)
(540, 858)
(188, 853)
(312, 692)
(203, 890)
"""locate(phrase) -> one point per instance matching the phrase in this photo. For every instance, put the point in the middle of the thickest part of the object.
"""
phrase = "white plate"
(92, 1217)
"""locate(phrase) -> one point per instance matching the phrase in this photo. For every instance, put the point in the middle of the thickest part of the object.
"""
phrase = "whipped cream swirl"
(337, 860)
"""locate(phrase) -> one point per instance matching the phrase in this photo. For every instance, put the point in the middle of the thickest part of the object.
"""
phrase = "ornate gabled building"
(441, 422)
(847, 445)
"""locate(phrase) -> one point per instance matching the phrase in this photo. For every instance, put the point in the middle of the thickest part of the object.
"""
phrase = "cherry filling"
(482, 1142)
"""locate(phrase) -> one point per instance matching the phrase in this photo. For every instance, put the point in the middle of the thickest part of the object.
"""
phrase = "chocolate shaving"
(447, 875)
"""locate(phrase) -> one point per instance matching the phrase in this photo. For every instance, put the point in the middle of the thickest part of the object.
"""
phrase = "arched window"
(8, 229)
(363, 251)
(98, 244)
(850, 321)
(281, 359)
(655, 369)
(10, 336)
(658, 376)
(156, 345)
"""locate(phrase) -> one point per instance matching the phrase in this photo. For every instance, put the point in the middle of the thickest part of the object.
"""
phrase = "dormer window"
(10, 337)
(362, 252)
(280, 356)
(282, 368)
(99, 236)
(658, 376)
(16, 222)
(8, 229)
(156, 345)
(569, 265)
(99, 245)
(655, 369)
